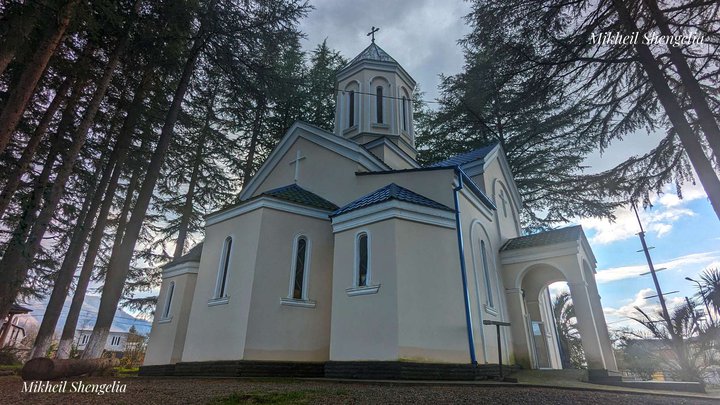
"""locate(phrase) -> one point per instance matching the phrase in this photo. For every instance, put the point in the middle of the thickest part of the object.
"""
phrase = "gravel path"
(168, 391)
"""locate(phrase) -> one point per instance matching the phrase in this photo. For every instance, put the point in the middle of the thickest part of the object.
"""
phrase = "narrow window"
(404, 113)
(486, 270)
(301, 254)
(379, 104)
(84, 339)
(351, 108)
(220, 291)
(362, 260)
(168, 300)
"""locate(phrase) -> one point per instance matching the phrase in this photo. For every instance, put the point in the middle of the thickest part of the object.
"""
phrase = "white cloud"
(558, 288)
(705, 259)
(667, 209)
(619, 317)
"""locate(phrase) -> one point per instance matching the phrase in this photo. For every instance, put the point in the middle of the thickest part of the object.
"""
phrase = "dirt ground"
(167, 391)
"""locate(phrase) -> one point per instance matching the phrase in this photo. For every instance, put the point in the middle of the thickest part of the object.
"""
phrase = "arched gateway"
(530, 265)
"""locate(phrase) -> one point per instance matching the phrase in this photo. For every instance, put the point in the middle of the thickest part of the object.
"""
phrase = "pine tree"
(320, 106)
(23, 89)
(616, 91)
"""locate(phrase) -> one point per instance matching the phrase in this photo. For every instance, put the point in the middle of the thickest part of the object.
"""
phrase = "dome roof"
(374, 53)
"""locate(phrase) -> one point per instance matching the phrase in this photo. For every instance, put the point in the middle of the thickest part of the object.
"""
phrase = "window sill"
(364, 290)
(164, 320)
(490, 310)
(218, 301)
(292, 302)
(350, 129)
(380, 125)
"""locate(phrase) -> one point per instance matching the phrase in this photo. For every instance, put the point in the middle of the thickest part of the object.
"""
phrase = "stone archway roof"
(553, 237)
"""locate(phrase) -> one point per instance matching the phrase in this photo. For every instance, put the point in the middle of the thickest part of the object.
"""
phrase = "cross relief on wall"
(296, 162)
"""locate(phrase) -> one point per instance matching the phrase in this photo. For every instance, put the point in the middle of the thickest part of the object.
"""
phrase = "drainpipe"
(463, 271)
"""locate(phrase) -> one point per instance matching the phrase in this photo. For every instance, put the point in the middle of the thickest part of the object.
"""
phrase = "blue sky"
(686, 237)
(422, 35)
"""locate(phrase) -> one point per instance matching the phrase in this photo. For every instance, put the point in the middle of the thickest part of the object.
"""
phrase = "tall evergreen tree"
(614, 91)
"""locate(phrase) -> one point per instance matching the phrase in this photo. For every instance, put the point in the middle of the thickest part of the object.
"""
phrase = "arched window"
(362, 253)
(221, 287)
(300, 268)
(168, 300)
(404, 113)
(486, 271)
(351, 108)
(379, 104)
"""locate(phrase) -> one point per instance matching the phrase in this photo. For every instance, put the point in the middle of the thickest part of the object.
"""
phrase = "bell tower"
(374, 103)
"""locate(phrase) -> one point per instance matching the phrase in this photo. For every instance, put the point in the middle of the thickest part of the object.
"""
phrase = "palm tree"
(710, 287)
(572, 355)
(691, 341)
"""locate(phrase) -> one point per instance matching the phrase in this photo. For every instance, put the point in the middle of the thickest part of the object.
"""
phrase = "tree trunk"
(691, 143)
(120, 262)
(187, 209)
(98, 231)
(96, 238)
(23, 164)
(698, 98)
(254, 139)
(19, 28)
(44, 369)
(65, 275)
(19, 256)
(24, 88)
(9, 282)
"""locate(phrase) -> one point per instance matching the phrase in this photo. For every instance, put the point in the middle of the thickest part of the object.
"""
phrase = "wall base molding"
(361, 370)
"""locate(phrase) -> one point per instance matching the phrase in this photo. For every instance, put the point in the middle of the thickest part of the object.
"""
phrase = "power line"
(384, 96)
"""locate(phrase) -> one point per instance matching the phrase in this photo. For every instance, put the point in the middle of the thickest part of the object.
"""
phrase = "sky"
(422, 36)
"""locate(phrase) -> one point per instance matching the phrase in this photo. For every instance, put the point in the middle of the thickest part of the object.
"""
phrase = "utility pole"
(660, 296)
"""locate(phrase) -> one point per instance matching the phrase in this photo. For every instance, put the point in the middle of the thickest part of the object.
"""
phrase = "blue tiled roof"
(390, 192)
(467, 157)
(373, 52)
(552, 237)
(296, 194)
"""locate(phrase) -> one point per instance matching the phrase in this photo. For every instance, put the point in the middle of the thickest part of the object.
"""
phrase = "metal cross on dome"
(372, 33)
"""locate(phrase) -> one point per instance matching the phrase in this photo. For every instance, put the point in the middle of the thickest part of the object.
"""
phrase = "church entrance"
(542, 346)
(558, 329)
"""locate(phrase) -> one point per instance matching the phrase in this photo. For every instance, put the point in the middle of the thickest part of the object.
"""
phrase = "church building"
(347, 258)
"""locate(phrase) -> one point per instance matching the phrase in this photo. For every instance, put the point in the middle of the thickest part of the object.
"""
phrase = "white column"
(518, 327)
(601, 325)
(586, 325)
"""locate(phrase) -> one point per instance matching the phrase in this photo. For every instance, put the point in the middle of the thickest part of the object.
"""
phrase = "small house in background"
(115, 345)
(11, 332)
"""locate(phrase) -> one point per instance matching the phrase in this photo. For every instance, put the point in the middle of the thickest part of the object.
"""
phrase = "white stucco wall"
(225, 323)
(431, 312)
(167, 337)
(365, 327)
(282, 332)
